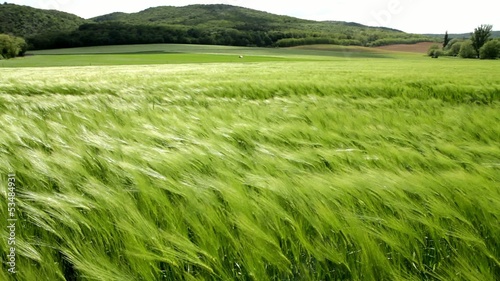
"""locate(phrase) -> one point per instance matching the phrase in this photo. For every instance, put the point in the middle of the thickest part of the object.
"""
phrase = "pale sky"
(414, 16)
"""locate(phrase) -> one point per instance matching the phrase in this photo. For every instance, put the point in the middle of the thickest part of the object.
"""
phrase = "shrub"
(21, 45)
(467, 50)
(490, 50)
(433, 50)
(438, 53)
(6, 46)
(11, 46)
(454, 48)
(451, 43)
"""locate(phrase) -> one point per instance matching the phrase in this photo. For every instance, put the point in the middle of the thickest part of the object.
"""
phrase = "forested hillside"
(27, 22)
(194, 24)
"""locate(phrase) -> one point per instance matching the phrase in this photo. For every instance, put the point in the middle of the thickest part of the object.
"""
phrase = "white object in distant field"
(241, 57)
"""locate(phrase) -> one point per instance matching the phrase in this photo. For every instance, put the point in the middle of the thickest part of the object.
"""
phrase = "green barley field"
(188, 163)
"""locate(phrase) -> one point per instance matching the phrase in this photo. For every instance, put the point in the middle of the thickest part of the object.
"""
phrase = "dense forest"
(194, 24)
(27, 22)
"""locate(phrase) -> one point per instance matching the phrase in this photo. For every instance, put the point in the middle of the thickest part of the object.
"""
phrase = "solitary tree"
(480, 36)
(446, 39)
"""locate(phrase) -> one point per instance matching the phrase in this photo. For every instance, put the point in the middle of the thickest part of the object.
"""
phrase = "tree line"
(119, 33)
(480, 45)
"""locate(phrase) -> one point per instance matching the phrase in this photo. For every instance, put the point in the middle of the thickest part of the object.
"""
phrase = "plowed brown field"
(413, 48)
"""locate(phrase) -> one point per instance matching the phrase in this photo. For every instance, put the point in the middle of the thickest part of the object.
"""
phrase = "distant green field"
(307, 165)
(130, 59)
(178, 54)
(312, 50)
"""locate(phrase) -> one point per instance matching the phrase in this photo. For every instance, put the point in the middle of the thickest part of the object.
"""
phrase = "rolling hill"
(194, 24)
(221, 16)
(227, 16)
(26, 21)
(218, 15)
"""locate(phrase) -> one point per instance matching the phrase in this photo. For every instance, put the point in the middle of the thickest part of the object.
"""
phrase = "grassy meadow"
(301, 165)
(184, 54)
